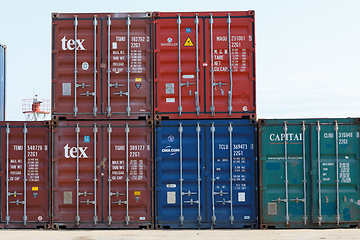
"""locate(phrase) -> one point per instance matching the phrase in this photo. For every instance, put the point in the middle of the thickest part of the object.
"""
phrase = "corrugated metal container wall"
(194, 77)
(25, 180)
(309, 173)
(2, 81)
(189, 154)
(101, 66)
(108, 184)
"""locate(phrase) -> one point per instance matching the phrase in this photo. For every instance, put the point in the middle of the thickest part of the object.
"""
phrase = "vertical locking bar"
(304, 170)
(128, 108)
(181, 176)
(95, 130)
(127, 218)
(95, 108)
(212, 107)
(7, 174)
(198, 129)
(212, 129)
(25, 179)
(230, 70)
(230, 129)
(75, 71)
(108, 70)
(77, 219)
(197, 68)
(336, 128)
(179, 23)
(286, 177)
(319, 177)
(109, 130)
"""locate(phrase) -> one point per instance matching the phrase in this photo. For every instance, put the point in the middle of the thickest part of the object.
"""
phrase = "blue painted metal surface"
(189, 154)
(2, 81)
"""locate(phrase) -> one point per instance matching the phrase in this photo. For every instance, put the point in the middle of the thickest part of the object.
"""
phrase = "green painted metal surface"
(309, 173)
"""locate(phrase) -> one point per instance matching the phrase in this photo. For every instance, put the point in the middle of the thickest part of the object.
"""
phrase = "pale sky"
(307, 52)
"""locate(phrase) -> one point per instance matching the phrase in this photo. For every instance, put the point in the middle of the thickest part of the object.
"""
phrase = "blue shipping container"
(193, 168)
(2, 81)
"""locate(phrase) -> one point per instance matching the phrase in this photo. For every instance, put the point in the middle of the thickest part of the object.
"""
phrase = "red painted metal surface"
(25, 162)
(123, 148)
(112, 77)
(208, 87)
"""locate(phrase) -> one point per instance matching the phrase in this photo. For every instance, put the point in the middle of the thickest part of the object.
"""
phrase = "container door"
(25, 179)
(231, 162)
(335, 163)
(230, 56)
(76, 199)
(127, 57)
(180, 175)
(179, 81)
(76, 49)
(128, 176)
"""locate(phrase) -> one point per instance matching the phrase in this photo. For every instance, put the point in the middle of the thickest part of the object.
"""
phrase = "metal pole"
(212, 129)
(95, 176)
(304, 170)
(337, 173)
(109, 130)
(75, 71)
(128, 108)
(286, 177)
(230, 70)
(198, 129)
(319, 176)
(108, 64)
(212, 108)
(127, 218)
(179, 23)
(25, 179)
(230, 129)
(7, 174)
(181, 177)
(77, 130)
(197, 68)
(95, 108)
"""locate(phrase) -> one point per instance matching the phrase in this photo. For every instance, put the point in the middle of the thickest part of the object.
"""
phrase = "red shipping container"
(25, 180)
(101, 66)
(102, 174)
(194, 77)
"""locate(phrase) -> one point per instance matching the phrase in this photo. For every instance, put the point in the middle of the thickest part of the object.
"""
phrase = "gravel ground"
(329, 234)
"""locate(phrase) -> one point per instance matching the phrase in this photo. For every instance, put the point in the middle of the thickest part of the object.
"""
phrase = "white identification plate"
(170, 99)
(241, 197)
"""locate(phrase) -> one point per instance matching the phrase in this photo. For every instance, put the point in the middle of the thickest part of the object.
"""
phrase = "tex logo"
(69, 44)
(73, 151)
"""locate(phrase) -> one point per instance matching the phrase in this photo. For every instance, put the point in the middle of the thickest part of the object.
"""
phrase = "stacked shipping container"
(102, 113)
(205, 172)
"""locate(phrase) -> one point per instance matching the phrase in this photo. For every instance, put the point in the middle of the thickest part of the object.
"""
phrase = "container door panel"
(179, 74)
(230, 74)
(127, 195)
(75, 65)
(25, 163)
(232, 170)
(128, 59)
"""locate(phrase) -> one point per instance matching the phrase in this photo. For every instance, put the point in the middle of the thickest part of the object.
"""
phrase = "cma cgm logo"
(170, 150)
(70, 44)
(72, 152)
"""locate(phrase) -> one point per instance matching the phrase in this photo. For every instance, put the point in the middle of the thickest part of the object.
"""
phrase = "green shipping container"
(309, 173)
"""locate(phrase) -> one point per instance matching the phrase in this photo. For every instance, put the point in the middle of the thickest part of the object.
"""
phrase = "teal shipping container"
(309, 173)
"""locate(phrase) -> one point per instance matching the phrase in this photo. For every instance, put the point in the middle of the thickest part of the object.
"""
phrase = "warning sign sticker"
(188, 43)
